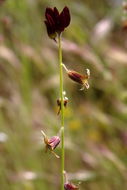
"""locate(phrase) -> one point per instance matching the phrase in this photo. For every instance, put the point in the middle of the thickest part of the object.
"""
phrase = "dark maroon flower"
(70, 186)
(56, 22)
(51, 143)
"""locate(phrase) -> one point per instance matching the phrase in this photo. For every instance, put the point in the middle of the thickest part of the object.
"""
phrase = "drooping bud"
(70, 186)
(51, 143)
(79, 78)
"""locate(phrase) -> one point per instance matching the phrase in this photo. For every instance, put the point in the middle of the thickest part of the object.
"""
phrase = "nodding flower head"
(51, 143)
(70, 186)
(79, 78)
(56, 22)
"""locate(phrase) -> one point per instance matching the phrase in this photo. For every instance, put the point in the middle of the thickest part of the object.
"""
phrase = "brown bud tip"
(70, 186)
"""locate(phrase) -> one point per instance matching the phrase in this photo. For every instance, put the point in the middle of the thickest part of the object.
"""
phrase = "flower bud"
(51, 143)
(59, 104)
(79, 78)
(70, 186)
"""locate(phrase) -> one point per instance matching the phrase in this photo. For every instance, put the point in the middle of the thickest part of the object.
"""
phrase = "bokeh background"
(95, 126)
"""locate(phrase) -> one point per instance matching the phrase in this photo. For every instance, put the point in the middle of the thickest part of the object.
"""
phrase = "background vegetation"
(96, 131)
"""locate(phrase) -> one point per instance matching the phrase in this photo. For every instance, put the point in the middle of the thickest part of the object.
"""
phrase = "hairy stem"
(62, 112)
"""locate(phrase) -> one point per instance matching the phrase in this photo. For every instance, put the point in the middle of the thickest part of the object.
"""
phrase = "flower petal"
(54, 142)
(56, 12)
(49, 11)
(67, 16)
(50, 25)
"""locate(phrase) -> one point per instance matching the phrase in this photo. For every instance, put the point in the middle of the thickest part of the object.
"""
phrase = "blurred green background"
(95, 126)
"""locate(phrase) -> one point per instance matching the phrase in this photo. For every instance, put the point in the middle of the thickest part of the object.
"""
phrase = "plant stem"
(62, 112)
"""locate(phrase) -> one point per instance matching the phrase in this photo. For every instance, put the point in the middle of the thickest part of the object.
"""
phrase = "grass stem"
(62, 111)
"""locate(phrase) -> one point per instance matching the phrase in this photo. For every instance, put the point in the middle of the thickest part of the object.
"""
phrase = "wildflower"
(51, 143)
(56, 22)
(70, 186)
(79, 78)
(59, 104)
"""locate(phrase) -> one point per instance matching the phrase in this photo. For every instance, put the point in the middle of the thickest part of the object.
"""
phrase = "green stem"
(62, 112)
